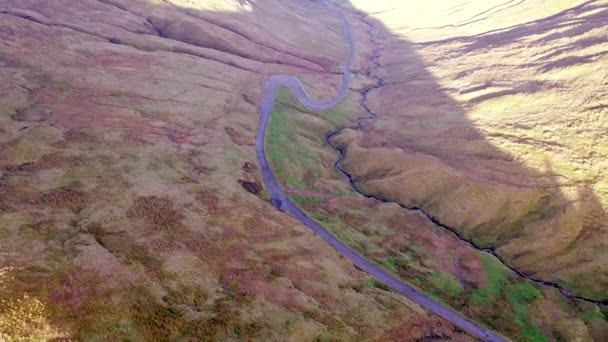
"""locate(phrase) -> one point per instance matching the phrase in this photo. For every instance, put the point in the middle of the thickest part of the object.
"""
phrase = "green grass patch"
(373, 283)
(305, 151)
(446, 284)
(521, 295)
(336, 117)
(281, 150)
(480, 296)
(589, 316)
(337, 227)
(305, 200)
(435, 295)
(276, 137)
(416, 281)
(393, 263)
(344, 237)
(283, 97)
(497, 276)
(321, 217)
(577, 288)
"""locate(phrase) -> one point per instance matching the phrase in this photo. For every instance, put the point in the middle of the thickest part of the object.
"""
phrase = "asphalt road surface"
(282, 202)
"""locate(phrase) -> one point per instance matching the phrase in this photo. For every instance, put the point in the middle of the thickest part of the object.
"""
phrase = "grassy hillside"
(131, 206)
(494, 124)
(408, 244)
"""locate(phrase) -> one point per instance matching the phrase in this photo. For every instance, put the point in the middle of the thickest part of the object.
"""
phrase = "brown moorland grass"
(434, 259)
(493, 126)
(428, 148)
(128, 122)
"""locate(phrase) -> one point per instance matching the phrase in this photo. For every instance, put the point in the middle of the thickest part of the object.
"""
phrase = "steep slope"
(131, 206)
(420, 134)
(494, 124)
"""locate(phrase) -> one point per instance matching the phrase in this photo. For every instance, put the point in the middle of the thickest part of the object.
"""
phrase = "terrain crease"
(250, 38)
(282, 202)
(177, 50)
(370, 115)
(42, 20)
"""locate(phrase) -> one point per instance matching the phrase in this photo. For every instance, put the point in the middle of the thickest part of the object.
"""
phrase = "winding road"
(282, 202)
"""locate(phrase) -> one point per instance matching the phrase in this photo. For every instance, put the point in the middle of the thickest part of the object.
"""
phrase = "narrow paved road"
(282, 202)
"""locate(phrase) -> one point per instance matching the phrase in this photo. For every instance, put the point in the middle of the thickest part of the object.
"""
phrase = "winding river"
(282, 202)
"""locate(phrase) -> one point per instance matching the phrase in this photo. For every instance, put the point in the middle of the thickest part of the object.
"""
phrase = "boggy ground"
(432, 146)
(131, 206)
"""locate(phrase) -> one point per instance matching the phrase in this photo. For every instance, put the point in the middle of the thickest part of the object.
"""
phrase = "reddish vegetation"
(210, 200)
(59, 198)
(297, 266)
(253, 223)
(354, 220)
(160, 212)
(117, 105)
(471, 269)
(200, 243)
(322, 295)
(335, 204)
(258, 281)
(462, 261)
(71, 295)
(6, 198)
(77, 136)
(65, 107)
(261, 231)
(425, 329)
(53, 160)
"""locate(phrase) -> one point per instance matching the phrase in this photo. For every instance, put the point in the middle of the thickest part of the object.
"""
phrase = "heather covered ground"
(132, 206)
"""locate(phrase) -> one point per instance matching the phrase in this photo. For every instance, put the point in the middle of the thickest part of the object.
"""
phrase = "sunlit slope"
(431, 20)
(495, 125)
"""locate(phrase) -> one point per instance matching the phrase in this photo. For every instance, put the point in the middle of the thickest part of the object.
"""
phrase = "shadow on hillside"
(222, 34)
(555, 207)
(211, 30)
(427, 104)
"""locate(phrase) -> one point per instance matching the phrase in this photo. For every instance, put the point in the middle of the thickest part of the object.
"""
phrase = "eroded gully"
(370, 115)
